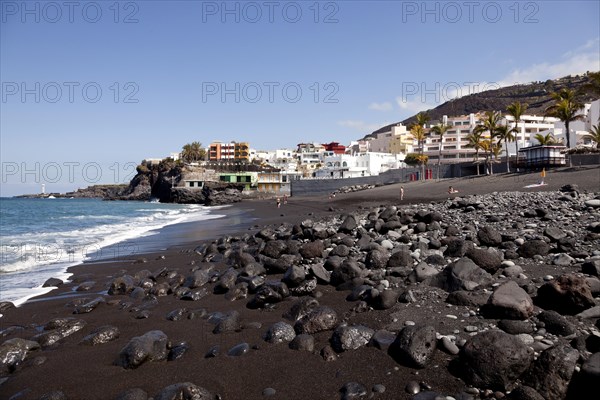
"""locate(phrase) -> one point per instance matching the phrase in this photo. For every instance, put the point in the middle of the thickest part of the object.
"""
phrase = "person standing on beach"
(285, 199)
(401, 192)
(278, 202)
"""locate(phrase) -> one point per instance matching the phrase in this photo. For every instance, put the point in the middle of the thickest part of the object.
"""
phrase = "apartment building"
(382, 142)
(454, 142)
(234, 151)
(527, 128)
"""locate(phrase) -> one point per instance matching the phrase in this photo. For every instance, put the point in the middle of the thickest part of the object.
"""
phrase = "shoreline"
(150, 241)
(293, 374)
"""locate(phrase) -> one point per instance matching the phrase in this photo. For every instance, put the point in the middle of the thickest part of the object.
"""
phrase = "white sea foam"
(29, 259)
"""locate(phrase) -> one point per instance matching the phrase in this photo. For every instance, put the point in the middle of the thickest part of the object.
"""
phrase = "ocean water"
(41, 238)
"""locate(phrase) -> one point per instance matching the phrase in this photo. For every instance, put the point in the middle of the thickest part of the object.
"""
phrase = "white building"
(358, 146)
(527, 128)
(311, 154)
(362, 164)
(263, 155)
(454, 142)
(591, 117)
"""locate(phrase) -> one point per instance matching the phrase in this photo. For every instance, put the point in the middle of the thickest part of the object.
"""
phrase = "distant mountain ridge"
(536, 95)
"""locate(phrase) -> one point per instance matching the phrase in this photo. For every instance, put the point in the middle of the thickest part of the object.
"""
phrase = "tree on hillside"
(593, 86)
(546, 139)
(192, 152)
(418, 133)
(504, 133)
(440, 130)
(516, 110)
(595, 135)
(566, 108)
(475, 140)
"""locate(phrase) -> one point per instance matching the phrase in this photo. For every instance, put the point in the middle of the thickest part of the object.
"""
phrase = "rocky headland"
(483, 296)
(160, 182)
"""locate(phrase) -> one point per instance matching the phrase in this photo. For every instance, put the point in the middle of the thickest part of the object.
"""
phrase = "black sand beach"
(274, 370)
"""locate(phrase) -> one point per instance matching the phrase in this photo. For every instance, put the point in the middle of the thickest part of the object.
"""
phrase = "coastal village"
(480, 142)
(501, 135)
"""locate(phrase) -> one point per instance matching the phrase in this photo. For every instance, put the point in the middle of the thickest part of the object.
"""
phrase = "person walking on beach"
(401, 192)
(285, 199)
(278, 202)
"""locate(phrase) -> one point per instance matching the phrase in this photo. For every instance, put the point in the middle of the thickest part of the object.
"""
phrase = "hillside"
(535, 94)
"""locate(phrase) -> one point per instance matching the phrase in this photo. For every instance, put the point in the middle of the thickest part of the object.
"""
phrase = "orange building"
(236, 151)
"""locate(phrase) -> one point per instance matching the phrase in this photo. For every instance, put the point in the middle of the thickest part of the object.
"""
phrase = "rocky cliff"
(160, 181)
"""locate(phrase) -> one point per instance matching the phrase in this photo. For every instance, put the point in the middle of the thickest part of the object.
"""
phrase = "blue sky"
(92, 88)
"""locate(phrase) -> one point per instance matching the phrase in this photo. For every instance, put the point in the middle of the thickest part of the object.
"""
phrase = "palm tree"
(422, 119)
(546, 139)
(496, 150)
(489, 124)
(505, 134)
(516, 110)
(566, 109)
(192, 152)
(595, 135)
(418, 133)
(491, 150)
(440, 129)
(475, 140)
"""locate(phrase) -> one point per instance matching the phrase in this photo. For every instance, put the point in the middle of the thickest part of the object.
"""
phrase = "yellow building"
(269, 181)
(402, 144)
